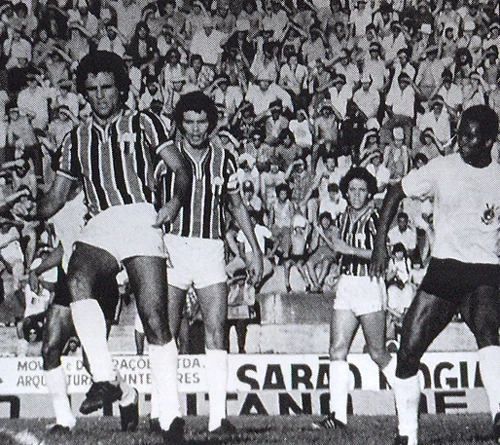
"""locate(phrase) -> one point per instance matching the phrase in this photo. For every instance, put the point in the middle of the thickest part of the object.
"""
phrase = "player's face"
(472, 144)
(195, 128)
(357, 194)
(102, 94)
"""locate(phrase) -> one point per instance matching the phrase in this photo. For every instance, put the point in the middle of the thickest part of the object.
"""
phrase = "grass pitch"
(290, 430)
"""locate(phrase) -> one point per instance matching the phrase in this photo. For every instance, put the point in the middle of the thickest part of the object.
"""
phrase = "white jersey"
(466, 207)
(68, 223)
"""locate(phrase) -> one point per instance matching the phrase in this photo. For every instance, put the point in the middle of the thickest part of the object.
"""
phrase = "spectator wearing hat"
(367, 98)
(17, 49)
(397, 156)
(400, 107)
(326, 132)
(293, 79)
(207, 43)
(34, 99)
(340, 94)
(474, 90)
(420, 43)
(265, 92)
(493, 36)
(64, 95)
(177, 87)
(224, 19)
(339, 39)
(344, 65)
(383, 17)
(490, 66)
(360, 17)
(447, 15)
(240, 40)
(447, 43)
(438, 119)
(112, 41)
(395, 41)
(224, 93)
(250, 198)
(299, 179)
(472, 12)
(375, 66)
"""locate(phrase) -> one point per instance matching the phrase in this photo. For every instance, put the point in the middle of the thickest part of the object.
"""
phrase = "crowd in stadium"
(305, 90)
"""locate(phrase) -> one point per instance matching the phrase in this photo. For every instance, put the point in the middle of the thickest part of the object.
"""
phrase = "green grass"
(291, 430)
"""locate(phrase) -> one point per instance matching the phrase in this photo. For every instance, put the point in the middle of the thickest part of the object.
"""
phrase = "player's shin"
(489, 364)
(216, 366)
(407, 394)
(91, 329)
(339, 389)
(56, 384)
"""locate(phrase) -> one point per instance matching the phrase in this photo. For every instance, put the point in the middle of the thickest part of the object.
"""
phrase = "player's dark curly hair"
(362, 174)
(485, 117)
(195, 101)
(103, 62)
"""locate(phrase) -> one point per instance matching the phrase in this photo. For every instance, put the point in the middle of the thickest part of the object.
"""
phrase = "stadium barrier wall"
(257, 384)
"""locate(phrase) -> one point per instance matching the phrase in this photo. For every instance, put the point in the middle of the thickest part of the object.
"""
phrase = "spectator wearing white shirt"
(340, 94)
(367, 98)
(403, 233)
(261, 95)
(438, 119)
(35, 100)
(360, 18)
(293, 78)
(207, 43)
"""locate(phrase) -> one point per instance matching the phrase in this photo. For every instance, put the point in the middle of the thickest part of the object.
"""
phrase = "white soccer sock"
(389, 371)
(489, 364)
(128, 393)
(216, 369)
(56, 384)
(339, 388)
(155, 406)
(91, 329)
(407, 394)
(164, 370)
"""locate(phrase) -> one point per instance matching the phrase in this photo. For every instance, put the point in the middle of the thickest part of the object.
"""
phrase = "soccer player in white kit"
(464, 273)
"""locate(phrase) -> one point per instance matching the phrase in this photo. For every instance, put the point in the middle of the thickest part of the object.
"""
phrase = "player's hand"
(379, 261)
(167, 213)
(255, 269)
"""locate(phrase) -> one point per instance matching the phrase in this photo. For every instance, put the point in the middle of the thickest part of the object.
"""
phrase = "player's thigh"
(426, 317)
(213, 304)
(343, 327)
(86, 266)
(481, 312)
(373, 325)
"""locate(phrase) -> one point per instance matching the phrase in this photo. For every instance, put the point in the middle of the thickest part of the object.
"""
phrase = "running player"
(463, 274)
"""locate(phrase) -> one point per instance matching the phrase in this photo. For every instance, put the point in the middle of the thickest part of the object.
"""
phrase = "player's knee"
(407, 365)
(79, 286)
(156, 328)
(338, 353)
(51, 356)
(379, 355)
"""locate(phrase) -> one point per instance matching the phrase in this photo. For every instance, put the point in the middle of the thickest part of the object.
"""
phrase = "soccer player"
(194, 240)
(463, 274)
(112, 154)
(358, 300)
(58, 327)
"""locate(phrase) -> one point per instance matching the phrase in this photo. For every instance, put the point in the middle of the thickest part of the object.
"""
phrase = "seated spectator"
(326, 132)
(403, 233)
(262, 94)
(340, 94)
(224, 93)
(281, 213)
(323, 256)
(112, 41)
(381, 173)
(293, 79)
(152, 92)
(250, 198)
(367, 98)
(302, 131)
(269, 180)
(474, 90)
(227, 141)
(369, 144)
(275, 122)
(299, 251)
(248, 172)
(17, 50)
(438, 119)
(299, 180)
(428, 145)
(286, 150)
(397, 156)
(333, 202)
(143, 48)
(199, 75)
(429, 73)
(207, 42)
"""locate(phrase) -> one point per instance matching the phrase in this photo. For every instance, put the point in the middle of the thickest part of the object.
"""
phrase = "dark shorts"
(452, 279)
(106, 292)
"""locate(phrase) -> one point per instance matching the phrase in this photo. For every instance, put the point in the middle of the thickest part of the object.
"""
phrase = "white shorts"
(125, 231)
(361, 295)
(195, 261)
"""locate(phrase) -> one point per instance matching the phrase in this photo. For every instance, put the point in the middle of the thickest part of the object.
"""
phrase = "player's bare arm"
(53, 201)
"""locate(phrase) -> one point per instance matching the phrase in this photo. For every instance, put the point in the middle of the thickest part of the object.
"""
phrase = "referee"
(112, 154)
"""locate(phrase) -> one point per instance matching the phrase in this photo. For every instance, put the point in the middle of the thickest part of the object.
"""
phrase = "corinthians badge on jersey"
(489, 214)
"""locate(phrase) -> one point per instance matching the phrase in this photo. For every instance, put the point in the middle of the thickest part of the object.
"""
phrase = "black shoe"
(129, 414)
(154, 425)
(57, 430)
(225, 430)
(100, 394)
(175, 434)
(496, 428)
(401, 440)
(328, 423)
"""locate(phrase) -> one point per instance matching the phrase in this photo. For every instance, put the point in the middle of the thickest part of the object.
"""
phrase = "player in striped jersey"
(195, 239)
(359, 299)
(112, 154)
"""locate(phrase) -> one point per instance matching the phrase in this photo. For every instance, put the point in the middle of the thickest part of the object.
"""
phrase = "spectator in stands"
(404, 234)
(269, 180)
(397, 156)
(326, 132)
(281, 213)
(367, 98)
(299, 251)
